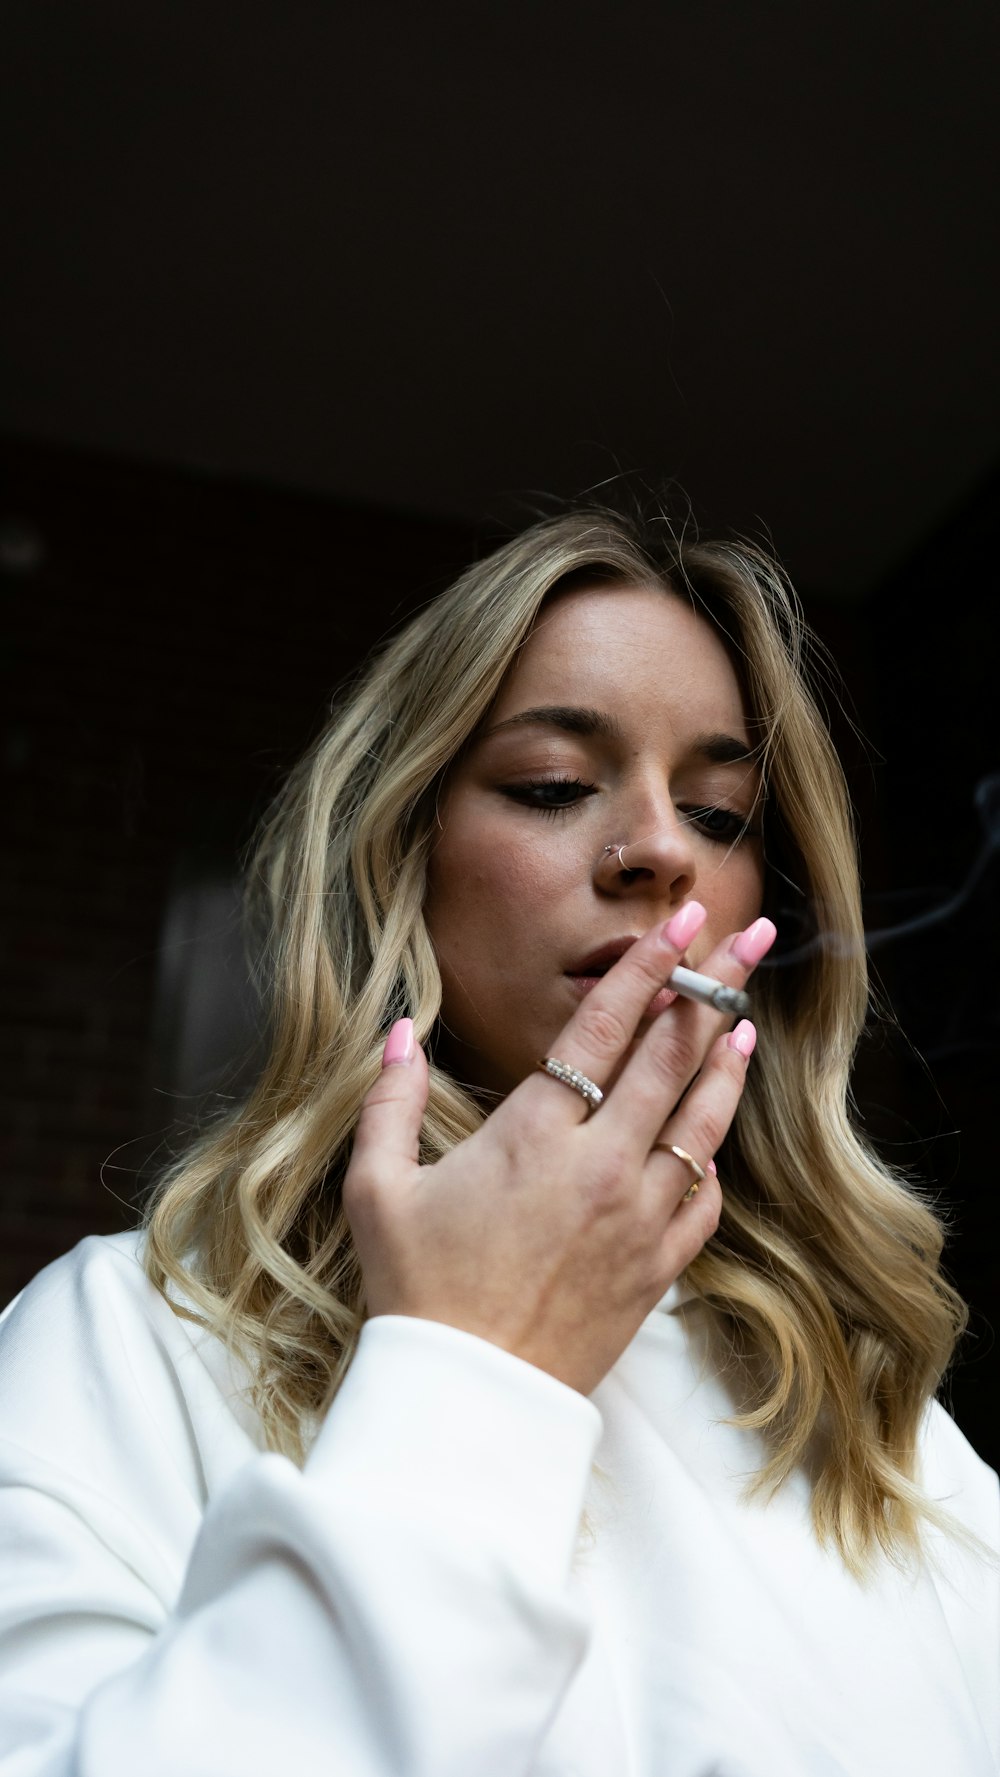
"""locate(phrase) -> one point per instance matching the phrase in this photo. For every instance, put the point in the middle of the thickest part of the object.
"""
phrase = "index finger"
(598, 1034)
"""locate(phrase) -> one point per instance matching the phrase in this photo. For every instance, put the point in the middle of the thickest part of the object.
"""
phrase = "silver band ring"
(698, 1172)
(571, 1076)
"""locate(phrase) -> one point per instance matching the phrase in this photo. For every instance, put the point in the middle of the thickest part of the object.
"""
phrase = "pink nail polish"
(743, 1038)
(751, 945)
(399, 1043)
(711, 1167)
(686, 922)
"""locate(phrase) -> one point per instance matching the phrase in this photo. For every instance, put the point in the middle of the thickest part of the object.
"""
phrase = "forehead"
(628, 649)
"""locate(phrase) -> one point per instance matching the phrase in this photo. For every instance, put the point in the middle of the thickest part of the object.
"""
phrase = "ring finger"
(691, 1134)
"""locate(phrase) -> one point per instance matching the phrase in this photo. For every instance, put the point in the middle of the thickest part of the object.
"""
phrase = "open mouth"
(593, 969)
(597, 962)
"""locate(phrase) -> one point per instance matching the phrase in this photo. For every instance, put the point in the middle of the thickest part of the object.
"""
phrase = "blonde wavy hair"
(830, 1312)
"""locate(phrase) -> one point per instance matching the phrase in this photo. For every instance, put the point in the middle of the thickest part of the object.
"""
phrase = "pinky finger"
(711, 1167)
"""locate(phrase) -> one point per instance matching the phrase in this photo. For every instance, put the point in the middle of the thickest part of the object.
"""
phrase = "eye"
(722, 824)
(550, 795)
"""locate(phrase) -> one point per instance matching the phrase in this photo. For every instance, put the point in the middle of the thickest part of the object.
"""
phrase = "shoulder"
(76, 1304)
(954, 1475)
(98, 1259)
(91, 1311)
(98, 1374)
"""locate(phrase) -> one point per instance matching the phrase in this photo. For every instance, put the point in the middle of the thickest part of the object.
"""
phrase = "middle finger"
(668, 1057)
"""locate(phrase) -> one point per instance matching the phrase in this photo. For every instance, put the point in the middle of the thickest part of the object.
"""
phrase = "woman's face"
(621, 724)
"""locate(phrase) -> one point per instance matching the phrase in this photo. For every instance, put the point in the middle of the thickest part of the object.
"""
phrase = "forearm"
(400, 1605)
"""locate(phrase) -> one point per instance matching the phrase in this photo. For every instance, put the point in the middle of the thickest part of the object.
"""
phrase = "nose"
(661, 861)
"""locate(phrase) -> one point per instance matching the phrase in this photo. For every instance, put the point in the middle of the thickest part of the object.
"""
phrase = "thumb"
(393, 1110)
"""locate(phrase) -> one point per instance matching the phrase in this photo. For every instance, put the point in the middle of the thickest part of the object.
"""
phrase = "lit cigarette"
(709, 992)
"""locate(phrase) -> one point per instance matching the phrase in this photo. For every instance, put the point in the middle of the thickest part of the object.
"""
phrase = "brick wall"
(170, 645)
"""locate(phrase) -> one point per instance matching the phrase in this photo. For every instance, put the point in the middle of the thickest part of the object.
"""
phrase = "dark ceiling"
(439, 256)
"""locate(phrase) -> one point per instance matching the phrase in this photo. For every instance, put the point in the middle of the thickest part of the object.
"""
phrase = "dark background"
(302, 305)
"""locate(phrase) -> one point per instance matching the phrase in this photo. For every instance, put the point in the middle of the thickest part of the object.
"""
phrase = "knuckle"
(604, 1187)
(707, 1124)
(652, 967)
(522, 1137)
(602, 1030)
(389, 1088)
(617, 1171)
(529, 1129)
(672, 1053)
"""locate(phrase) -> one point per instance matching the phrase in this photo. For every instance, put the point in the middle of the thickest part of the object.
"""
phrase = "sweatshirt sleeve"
(401, 1605)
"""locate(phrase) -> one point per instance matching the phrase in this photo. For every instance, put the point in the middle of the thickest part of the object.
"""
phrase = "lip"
(582, 984)
(598, 962)
(583, 975)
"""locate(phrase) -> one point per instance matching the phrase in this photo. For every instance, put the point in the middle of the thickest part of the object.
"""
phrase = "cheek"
(501, 873)
(489, 918)
(483, 884)
(736, 896)
(750, 900)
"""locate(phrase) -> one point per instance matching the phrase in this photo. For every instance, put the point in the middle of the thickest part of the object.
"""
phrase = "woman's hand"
(551, 1232)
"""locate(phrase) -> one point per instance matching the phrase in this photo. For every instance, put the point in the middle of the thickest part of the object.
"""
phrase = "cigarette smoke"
(987, 801)
(949, 999)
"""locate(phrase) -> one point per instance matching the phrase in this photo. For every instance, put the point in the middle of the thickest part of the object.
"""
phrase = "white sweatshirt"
(419, 1601)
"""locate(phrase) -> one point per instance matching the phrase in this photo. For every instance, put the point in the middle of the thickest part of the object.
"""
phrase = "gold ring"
(691, 1163)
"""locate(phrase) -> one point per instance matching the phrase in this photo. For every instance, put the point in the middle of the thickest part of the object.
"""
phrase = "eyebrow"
(718, 749)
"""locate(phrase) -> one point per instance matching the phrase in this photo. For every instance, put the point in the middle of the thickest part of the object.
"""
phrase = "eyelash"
(737, 825)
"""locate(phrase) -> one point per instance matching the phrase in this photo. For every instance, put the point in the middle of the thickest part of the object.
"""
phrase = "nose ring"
(619, 849)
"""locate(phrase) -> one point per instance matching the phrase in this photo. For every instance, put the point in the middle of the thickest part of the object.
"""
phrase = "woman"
(454, 1414)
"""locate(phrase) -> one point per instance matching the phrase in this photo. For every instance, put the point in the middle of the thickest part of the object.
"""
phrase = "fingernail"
(750, 946)
(399, 1043)
(686, 922)
(743, 1038)
(711, 1167)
